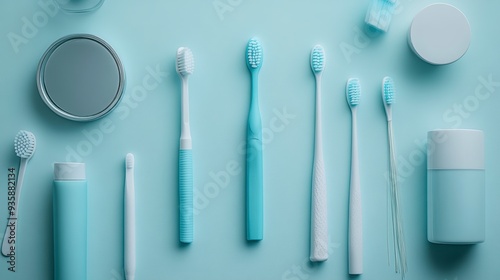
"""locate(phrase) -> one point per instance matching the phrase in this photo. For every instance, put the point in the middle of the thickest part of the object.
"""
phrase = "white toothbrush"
(129, 218)
(319, 205)
(24, 145)
(185, 67)
(400, 264)
(353, 93)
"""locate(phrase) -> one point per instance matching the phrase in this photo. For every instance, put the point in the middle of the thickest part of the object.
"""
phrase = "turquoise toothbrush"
(353, 92)
(254, 177)
(185, 67)
(319, 206)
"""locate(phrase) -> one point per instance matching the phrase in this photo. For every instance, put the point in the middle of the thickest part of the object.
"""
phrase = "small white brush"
(353, 94)
(129, 219)
(24, 145)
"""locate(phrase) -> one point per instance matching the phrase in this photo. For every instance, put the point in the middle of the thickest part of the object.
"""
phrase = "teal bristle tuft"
(353, 91)
(389, 90)
(318, 59)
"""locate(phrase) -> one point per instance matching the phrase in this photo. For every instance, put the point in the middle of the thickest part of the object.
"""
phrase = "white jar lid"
(440, 34)
(69, 171)
(455, 149)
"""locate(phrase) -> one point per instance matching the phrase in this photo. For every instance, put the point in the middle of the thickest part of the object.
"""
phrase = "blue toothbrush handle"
(186, 195)
(254, 190)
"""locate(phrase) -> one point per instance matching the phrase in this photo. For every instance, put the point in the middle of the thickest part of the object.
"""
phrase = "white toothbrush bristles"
(25, 144)
(184, 62)
(254, 54)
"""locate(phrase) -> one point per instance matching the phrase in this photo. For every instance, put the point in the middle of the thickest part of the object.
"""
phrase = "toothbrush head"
(254, 54)
(318, 59)
(353, 92)
(184, 63)
(388, 91)
(25, 144)
(129, 161)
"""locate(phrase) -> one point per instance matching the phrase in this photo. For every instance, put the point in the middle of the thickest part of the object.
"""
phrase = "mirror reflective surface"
(80, 78)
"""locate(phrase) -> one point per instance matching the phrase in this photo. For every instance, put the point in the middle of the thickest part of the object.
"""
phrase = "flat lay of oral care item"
(80, 77)
(70, 221)
(79, 6)
(324, 162)
(456, 186)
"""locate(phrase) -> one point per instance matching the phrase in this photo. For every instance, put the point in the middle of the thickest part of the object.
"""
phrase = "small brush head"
(184, 63)
(318, 59)
(254, 54)
(388, 90)
(129, 161)
(353, 92)
(25, 144)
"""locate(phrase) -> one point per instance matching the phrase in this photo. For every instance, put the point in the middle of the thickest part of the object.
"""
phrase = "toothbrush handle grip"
(355, 213)
(186, 195)
(355, 224)
(319, 221)
(254, 190)
(129, 226)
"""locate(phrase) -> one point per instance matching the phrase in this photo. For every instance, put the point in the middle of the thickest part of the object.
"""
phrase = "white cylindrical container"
(455, 186)
(440, 34)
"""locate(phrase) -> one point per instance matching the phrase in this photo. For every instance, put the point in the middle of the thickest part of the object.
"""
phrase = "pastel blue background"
(146, 35)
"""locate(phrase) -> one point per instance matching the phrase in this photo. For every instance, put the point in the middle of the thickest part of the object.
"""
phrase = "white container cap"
(455, 149)
(69, 171)
(440, 34)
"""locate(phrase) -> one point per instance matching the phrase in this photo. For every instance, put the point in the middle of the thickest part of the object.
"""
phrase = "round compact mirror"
(80, 77)
(79, 6)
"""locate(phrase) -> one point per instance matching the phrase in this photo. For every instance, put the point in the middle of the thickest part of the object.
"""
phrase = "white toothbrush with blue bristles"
(254, 161)
(24, 146)
(319, 202)
(353, 94)
(185, 67)
(400, 264)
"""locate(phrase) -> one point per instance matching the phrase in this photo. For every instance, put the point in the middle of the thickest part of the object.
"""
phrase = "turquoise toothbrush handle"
(254, 192)
(254, 176)
(186, 195)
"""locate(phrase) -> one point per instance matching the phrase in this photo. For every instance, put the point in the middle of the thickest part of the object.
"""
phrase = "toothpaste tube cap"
(69, 171)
